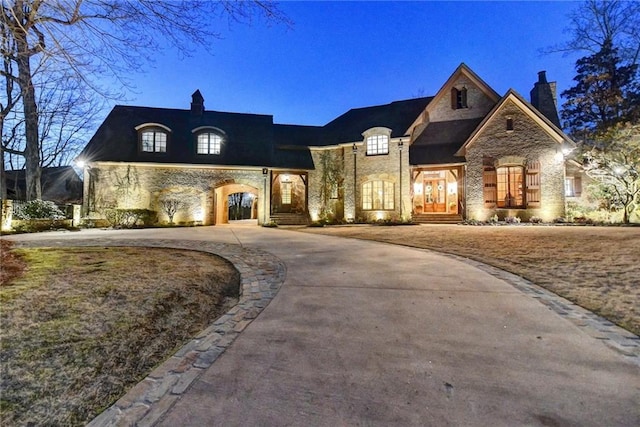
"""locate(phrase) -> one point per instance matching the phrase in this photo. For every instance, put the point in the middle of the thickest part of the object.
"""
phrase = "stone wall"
(122, 186)
(384, 167)
(479, 104)
(527, 140)
(319, 182)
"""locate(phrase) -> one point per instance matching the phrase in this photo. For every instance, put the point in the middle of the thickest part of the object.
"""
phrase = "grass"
(80, 326)
(597, 268)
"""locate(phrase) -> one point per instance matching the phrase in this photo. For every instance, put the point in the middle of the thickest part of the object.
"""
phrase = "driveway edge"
(619, 339)
(261, 275)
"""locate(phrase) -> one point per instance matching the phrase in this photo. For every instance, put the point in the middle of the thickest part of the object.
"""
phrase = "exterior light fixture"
(400, 146)
(265, 172)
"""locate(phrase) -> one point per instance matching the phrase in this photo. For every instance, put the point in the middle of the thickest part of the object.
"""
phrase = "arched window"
(377, 144)
(378, 195)
(209, 143)
(153, 140)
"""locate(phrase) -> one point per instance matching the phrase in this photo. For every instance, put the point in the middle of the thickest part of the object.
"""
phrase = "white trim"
(150, 124)
(213, 128)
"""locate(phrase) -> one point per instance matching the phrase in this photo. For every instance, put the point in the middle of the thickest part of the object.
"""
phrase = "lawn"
(597, 268)
(80, 326)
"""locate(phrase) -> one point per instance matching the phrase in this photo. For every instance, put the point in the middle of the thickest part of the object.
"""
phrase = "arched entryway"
(242, 206)
(224, 198)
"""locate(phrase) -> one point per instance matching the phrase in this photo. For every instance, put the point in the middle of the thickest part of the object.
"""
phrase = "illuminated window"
(510, 187)
(377, 144)
(209, 143)
(573, 186)
(153, 141)
(377, 195)
(285, 192)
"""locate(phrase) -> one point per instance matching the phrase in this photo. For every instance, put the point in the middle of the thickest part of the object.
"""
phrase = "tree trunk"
(3, 178)
(32, 143)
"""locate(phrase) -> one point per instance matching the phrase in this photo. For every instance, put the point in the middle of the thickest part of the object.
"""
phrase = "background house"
(60, 184)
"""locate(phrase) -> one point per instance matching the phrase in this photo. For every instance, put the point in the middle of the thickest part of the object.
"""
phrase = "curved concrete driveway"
(363, 333)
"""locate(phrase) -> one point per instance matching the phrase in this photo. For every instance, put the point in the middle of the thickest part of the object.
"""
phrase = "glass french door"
(435, 195)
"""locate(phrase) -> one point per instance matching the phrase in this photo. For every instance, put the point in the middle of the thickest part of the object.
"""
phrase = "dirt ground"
(595, 267)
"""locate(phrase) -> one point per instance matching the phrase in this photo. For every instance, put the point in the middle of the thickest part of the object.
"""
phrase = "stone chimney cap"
(542, 77)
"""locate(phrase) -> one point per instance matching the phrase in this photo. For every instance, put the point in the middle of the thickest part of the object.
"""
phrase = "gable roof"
(463, 69)
(396, 116)
(511, 95)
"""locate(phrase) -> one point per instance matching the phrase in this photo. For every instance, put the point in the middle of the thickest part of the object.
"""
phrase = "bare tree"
(595, 22)
(171, 206)
(101, 38)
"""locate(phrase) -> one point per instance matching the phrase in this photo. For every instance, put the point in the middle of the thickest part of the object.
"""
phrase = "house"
(465, 153)
(60, 184)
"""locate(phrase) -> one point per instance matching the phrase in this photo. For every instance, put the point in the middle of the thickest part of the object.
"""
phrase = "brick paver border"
(261, 276)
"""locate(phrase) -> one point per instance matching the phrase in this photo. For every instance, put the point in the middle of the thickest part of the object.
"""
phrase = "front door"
(435, 195)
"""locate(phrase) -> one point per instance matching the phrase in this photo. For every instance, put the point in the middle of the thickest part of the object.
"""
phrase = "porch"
(437, 194)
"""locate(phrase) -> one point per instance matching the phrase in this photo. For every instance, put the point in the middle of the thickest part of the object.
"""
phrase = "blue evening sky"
(342, 55)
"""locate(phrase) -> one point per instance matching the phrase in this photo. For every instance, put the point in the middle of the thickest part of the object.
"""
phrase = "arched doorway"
(224, 201)
(242, 206)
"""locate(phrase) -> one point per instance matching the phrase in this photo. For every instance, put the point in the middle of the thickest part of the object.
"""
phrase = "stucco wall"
(143, 186)
(527, 140)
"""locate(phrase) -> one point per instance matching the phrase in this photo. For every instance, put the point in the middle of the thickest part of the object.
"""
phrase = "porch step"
(290, 219)
(437, 218)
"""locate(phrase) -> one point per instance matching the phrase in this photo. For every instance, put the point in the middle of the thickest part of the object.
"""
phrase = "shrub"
(512, 220)
(129, 218)
(493, 219)
(38, 209)
(535, 220)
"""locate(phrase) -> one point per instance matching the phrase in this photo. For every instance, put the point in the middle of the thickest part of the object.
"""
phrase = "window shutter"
(454, 98)
(490, 182)
(577, 186)
(533, 184)
(463, 96)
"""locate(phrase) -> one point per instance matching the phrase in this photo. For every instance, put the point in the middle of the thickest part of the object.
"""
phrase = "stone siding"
(479, 104)
(143, 187)
(527, 140)
(384, 167)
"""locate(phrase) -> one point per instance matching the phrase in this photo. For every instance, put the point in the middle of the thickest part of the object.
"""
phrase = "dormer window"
(153, 141)
(153, 137)
(459, 98)
(377, 144)
(209, 143)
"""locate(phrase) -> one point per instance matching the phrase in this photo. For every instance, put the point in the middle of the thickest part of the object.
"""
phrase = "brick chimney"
(543, 97)
(197, 103)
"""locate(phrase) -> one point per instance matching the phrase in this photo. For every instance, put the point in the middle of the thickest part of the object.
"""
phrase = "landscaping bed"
(597, 268)
(80, 326)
